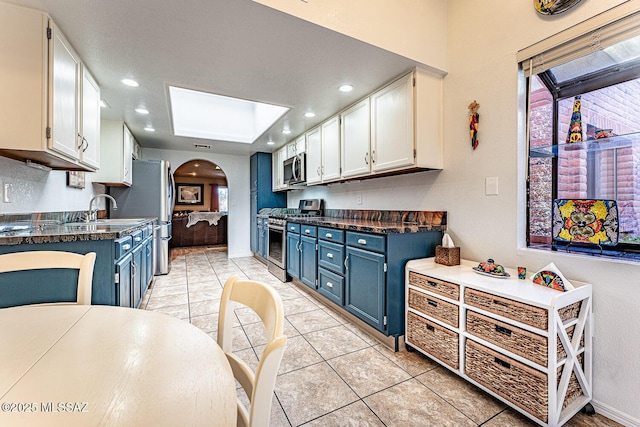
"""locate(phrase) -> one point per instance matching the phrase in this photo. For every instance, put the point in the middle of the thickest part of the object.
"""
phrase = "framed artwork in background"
(189, 194)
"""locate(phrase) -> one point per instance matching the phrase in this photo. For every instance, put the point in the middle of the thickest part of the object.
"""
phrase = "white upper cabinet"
(406, 124)
(278, 158)
(314, 156)
(40, 82)
(296, 147)
(392, 143)
(330, 168)
(65, 83)
(356, 140)
(116, 143)
(90, 146)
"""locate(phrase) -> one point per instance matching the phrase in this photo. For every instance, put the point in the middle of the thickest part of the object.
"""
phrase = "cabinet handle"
(502, 363)
(137, 239)
(126, 246)
(330, 255)
(432, 302)
(429, 327)
(504, 304)
(292, 229)
(329, 236)
(346, 260)
(366, 158)
(329, 285)
(430, 283)
(299, 246)
(80, 142)
(318, 171)
(134, 269)
(307, 231)
(373, 158)
(503, 330)
(362, 241)
(85, 144)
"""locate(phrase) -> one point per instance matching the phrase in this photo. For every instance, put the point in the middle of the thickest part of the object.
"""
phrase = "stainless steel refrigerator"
(150, 195)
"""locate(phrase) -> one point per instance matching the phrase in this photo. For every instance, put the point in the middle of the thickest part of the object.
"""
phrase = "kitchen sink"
(118, 221)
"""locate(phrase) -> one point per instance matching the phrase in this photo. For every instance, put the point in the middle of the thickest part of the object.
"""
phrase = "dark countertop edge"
(44, 236)
(369, 226)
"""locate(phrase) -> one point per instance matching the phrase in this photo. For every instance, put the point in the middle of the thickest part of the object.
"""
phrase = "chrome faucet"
(92, 214)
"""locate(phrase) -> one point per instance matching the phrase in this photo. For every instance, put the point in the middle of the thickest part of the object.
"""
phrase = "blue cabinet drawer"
(331, 286)
(331, 234)
(123, 246)
(137, 237)
(147, 231)
(293, 228)
(308, 230)
(331, 256)
(370, 242)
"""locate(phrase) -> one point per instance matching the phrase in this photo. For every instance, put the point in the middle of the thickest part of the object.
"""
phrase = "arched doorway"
(200, 212)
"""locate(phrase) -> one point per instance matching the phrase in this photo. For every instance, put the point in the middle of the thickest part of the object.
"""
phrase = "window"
(223, 199)
(584, 140)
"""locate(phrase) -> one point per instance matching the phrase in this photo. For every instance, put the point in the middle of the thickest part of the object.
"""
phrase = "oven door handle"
(275, 227)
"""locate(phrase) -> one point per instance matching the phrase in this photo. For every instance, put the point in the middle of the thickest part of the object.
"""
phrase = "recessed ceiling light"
(345, 88)
(270, 142)
(130, 82)
(149, 129)
(141, 111)
(196, 165)
(286, 131)
(103, 104)
(309, 114)
(209, 116)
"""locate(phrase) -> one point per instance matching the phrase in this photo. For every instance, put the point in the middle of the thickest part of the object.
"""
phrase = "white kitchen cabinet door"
(90, 146)
(278, 158)
(392, 119)
(116, 142)
(330, 169)
(314, 156)
(127, 159)
(65, 83)
(301, 144)
(356, 140)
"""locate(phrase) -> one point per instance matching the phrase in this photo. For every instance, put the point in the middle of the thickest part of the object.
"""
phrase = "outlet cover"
(491, 186)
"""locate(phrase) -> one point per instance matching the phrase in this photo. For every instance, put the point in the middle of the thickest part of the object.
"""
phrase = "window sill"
(590, 253)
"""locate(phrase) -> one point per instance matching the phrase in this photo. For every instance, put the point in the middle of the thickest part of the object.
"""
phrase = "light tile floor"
(332, 373)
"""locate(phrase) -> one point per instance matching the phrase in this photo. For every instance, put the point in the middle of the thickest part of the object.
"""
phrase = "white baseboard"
(240, 254)
(615, 415)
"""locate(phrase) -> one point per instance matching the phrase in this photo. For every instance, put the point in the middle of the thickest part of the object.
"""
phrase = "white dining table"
(99, 365)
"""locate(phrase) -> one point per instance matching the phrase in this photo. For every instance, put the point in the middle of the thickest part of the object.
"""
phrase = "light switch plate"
(491, 186)
(6, 192)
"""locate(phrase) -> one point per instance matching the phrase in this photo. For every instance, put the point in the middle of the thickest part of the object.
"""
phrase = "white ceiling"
(235, 48)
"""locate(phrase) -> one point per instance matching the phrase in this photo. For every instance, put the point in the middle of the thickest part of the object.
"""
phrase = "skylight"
(208, 116)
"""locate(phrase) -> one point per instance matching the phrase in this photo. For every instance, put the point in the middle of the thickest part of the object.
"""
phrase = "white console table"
(528, 345)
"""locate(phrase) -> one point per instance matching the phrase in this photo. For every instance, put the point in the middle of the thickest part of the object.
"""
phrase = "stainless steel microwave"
(294, 169)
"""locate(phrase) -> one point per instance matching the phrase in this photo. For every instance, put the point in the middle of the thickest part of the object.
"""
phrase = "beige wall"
(416, 29)
(484, 37)
(207, 192)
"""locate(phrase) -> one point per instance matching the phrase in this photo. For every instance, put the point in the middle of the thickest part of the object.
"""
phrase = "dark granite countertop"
(51, 232)
(381, 222)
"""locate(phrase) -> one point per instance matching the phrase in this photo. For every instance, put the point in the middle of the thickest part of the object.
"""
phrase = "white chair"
(259, 386)
(38, 260)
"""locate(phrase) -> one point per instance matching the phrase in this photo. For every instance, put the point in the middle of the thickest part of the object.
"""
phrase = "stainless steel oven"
(277, 248)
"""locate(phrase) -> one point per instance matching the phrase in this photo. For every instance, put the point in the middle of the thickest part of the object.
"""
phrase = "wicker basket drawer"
(439, 342)
(521, 385)
(523, 343)
(434, 307)
(437, 286)
(525, 313)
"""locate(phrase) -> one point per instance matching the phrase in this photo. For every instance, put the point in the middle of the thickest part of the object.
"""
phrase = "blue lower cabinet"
(308, 263)
(331, 285)
(293, 255)
(123, 281)
(365, 286)
(148, 254)
(136, 276)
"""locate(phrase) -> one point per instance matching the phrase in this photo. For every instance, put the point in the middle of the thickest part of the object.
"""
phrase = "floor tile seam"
(449, 403)
(490, 418)
(338, 409)
(400, 366)
(316, 330)
(282, 407)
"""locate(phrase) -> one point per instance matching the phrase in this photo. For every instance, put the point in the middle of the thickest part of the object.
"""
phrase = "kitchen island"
(123, 268)
(355, 260)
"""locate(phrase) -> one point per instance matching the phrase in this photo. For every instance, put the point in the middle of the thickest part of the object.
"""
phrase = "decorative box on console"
(447, 256)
